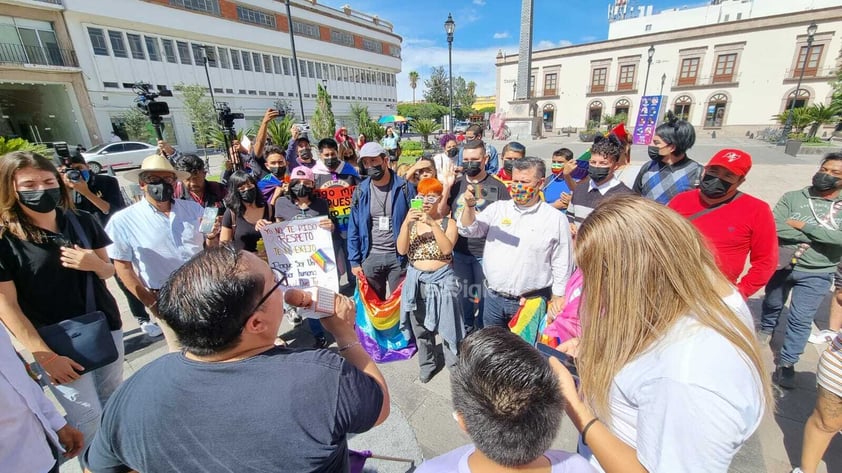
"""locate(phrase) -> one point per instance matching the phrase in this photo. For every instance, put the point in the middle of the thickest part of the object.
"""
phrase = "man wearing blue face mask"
(97, 194)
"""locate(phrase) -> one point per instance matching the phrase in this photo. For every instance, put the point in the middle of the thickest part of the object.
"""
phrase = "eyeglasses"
(280, 280)
(158, 179)
(429, 199)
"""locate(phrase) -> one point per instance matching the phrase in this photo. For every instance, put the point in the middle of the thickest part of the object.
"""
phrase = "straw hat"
(155, 162)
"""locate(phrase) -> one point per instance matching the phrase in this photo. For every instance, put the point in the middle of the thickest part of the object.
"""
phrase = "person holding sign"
(245, 208)
(430, 298)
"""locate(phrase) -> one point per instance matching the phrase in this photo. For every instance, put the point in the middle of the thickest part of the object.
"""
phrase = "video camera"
(152, 109)
(225, 117)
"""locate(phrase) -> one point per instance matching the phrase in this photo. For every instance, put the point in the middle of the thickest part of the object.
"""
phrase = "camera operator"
(166, 150)
(96, 194)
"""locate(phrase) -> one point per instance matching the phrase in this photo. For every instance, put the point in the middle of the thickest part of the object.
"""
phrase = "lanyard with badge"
(382, 221)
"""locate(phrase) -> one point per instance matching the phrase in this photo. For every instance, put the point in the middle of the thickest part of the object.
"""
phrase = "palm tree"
(821, 115)
(425, 127)
(413, 82)
(800, 118)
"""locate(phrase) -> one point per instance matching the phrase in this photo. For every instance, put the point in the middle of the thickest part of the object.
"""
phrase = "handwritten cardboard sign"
(303, 252)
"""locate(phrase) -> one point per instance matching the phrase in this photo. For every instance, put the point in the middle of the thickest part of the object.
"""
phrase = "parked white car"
(461, 126)
(119, 155)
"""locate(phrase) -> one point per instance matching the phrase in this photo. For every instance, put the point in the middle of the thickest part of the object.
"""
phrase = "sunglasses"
(157, 180)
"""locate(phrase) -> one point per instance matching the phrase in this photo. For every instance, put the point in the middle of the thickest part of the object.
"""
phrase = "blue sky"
(482, 28)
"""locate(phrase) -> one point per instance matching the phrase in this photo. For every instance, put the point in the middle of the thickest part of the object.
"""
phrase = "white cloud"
(503, 35)
(545, 44)
(479, 2)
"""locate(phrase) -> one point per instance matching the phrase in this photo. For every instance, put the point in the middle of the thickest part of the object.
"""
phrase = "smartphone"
(208, 220)
(490, 194)
(564, 358)
(417, 204)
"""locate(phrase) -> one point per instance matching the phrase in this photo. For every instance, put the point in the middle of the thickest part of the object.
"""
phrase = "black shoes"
(785, 376)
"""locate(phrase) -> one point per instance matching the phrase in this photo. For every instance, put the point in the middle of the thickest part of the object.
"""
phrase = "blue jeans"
(498, 311)
(808, 291)
(316, 328)
(468, 269)
(85, 398)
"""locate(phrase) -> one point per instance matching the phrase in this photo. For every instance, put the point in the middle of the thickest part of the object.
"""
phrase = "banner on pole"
(302, 251)
(648, 116)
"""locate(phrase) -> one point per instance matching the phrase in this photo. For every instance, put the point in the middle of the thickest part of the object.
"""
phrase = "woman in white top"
(446, 160)
(671, 374)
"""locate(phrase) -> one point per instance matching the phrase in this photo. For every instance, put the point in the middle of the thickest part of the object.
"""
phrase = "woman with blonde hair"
(671, 373)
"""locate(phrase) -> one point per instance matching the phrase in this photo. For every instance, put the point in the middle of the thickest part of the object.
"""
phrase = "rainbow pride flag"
(322, 260)
(378, 325)
(530, 320)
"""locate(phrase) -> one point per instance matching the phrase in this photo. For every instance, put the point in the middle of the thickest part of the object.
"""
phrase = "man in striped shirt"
(601, 182)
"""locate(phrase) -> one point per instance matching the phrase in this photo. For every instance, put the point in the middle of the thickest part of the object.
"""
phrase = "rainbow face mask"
(521, 194)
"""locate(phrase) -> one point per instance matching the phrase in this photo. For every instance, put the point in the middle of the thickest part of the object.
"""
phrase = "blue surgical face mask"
(86, 175)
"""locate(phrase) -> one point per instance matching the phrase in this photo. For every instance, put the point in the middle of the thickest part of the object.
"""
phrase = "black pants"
(136, 307)
(380, 269)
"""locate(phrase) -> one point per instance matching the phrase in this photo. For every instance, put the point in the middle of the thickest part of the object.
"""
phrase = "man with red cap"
(736, 225)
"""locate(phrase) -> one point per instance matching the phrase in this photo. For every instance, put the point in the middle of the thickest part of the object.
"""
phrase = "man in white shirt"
(32, 427)
(155, 236)
(527, 248)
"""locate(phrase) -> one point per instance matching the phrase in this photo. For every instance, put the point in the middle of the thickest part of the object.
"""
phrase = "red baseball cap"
(734, 160)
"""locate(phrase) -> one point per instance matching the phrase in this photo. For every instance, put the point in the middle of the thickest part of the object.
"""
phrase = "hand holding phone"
(416, 204)
(208, 220)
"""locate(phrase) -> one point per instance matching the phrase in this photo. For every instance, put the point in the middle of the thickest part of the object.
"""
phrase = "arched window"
(801, 101)
(715, 115)
(622, 106)
(681, 109)
(595, 114)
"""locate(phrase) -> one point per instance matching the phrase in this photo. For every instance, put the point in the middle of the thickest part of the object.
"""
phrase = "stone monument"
(522, 118)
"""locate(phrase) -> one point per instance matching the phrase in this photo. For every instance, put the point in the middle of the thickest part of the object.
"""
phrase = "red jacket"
(744, 227)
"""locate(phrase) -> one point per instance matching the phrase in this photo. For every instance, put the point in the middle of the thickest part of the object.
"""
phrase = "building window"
(725, 64)
(622, 107)
(343, 38)
(117, 44)
(682, 107)
(98, 41)
(318, 70)
(332, 75)
(169, 51)
(716, 110)
(305, 29)
(598, 77)
(152, 48)
(813, 57)
(302, 68)
(183, 52)
(256, 59)
(689, 71)
(372, 45)
(199, 54)
(727, 17)
(739, 16)
(395, 51)
(267, 64)
(235, 59)
(210, 54)
(550, 83)
(531, 90)
(802, 100)
(136, 46)
(205, 6)
(648, 27)
(626, 81)
(287, 67)
(255, 17)
(111, 85)
(595, 114)
(222, 54)
(276, 61)
(246, 60)
(311, 69)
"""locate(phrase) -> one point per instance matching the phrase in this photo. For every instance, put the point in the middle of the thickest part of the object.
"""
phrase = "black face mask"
(452, 152)
(249, 195)
(332, 163)
(714, 187)
(508, 165)
(376, 172)
(278, 171)
(161, 192)
(824, 182)
(472, 168)
(41, 201)
(300, 190)
(654, 153)
(305, 155)
(598, 174)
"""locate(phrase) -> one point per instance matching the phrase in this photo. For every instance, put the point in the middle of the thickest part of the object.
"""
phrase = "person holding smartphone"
(430, 297)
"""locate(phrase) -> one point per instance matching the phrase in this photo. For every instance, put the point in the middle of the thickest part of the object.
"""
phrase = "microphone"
(298, 298)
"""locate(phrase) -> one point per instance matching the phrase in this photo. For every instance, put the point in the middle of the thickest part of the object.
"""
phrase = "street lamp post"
(663, 81)
(295, 61)
(650, 52)
(514, 91)
(449, 28)
(811, 32)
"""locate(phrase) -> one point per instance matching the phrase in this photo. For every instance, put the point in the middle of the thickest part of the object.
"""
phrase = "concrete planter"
(587, 136)
(819, 150)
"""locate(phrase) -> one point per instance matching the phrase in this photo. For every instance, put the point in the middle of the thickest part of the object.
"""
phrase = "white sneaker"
(797, 470)
(824, 336)
(293, 317)
(151, 329)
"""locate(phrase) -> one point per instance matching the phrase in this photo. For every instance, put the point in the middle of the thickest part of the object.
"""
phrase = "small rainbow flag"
(530, 319)
(378, 325)
(321, 258)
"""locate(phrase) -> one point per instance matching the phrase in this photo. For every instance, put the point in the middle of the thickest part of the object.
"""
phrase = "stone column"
(524, 59)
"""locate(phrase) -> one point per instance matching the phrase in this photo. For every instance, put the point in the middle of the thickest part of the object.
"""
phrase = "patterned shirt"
(661, 182)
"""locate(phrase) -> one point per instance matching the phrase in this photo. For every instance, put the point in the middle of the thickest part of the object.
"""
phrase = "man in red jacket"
(736, 225)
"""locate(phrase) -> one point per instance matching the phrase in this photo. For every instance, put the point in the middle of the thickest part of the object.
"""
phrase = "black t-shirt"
(286, 210)
(106, 188)
(283, 410)
(48, 292)
(245, 236)
(491, 190)
(337, 189)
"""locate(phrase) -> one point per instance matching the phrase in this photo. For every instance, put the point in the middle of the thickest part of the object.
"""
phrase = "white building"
(725, 77)
(161, 42)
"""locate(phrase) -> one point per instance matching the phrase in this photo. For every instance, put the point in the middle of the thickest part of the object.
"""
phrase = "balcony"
(43, 56)
(612, 89)
(810, 73)
(730, 80)
(550, 93)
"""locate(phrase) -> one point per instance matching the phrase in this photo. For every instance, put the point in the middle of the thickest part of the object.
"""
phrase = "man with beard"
(735, 225)
(155, 236)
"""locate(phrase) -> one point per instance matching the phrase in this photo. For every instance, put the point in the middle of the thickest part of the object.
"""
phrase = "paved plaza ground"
(421, 425)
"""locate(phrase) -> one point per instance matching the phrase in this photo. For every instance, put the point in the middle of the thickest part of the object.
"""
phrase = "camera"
(225, 117)
(73, 175)
(152, 109)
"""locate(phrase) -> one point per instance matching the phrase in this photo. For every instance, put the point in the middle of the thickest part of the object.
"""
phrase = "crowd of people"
(640, 274)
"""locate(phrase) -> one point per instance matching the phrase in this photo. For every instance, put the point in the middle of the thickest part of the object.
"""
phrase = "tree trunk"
(814, 129)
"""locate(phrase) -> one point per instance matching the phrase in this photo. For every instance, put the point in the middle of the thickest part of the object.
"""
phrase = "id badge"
(383, 224)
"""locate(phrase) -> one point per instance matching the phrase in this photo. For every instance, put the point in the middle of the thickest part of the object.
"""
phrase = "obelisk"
(524, 58)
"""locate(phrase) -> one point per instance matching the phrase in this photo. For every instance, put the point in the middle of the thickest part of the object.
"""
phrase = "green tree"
(200, 112)
(19, 144)
(437, 87)
(821, 115)
(801, 118)
(425, 127)
(217, 137)
(362, 123)
(323, 123)
(137, 125)
(483, 110)
(422, 110)
(413, 82)
(836, 99)
(613, 120)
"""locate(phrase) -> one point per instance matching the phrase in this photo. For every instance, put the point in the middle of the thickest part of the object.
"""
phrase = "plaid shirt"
(661, 182)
